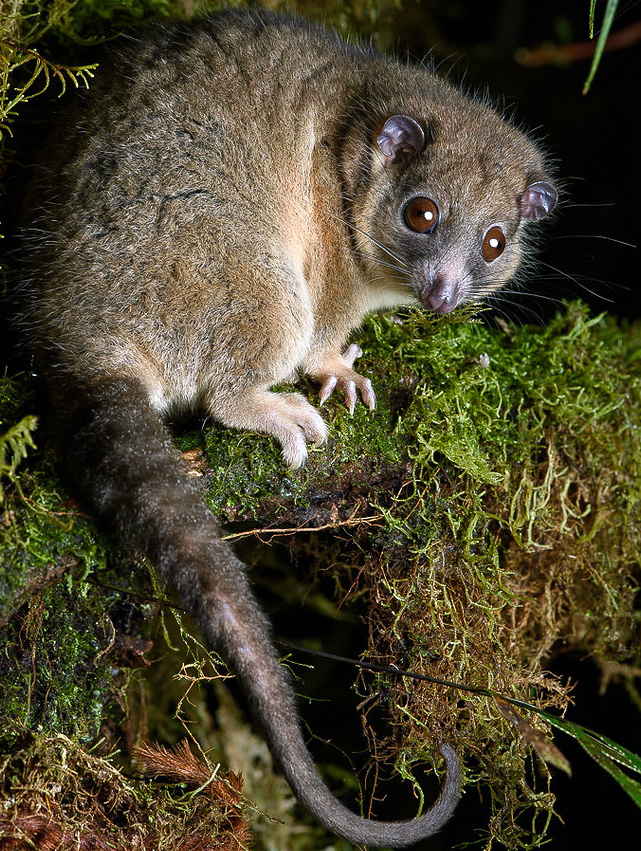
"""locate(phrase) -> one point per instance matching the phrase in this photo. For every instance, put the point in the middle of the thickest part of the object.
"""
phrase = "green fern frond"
(39, 73)
(14, 445)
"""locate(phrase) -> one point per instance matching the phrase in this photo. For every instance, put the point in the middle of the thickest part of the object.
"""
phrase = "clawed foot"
(295, 423)
(339, 374)
(288, 416)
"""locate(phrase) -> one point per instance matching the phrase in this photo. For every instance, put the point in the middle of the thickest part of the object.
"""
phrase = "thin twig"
(293, 530)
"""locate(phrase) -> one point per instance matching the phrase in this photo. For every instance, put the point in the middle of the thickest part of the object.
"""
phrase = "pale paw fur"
(286, 416)
(294, 422)
(336, 373)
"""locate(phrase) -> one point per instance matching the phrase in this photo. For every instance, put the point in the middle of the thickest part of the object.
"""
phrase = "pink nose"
(442, 293)
(440, 303)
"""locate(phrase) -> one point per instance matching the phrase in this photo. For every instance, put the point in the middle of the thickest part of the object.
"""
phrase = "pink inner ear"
(401, 138)
(538, 200)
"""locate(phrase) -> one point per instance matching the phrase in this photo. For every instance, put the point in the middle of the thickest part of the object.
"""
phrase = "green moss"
(517, 532)
(500, 466)
(57, 609)
(57, 653)
(49, 666)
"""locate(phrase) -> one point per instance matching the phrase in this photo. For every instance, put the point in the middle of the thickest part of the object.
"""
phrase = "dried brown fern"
(179, 765)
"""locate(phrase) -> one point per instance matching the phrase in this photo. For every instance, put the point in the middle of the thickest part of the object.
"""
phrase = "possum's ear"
(538, 200)
(400, 139)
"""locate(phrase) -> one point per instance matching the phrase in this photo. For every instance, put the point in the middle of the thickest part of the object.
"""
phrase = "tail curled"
(123, 463)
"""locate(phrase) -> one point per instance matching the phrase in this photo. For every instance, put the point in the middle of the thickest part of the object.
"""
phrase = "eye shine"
(421, 215)
(493, 244)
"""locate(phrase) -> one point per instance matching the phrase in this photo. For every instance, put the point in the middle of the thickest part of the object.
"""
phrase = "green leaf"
(606, 753)
(608, 18)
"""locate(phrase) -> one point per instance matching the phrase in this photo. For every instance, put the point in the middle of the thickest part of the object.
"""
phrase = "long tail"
(124, 464)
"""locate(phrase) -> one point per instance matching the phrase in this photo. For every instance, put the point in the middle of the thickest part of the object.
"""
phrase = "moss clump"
(62, 620)
(492, 523)
(58, 796)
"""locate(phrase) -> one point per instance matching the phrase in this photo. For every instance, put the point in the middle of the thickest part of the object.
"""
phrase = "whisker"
(529, 312)
(535, 296)
(578, 204)
(578, 283)
(594, 236)
(372, 258)
(376, 242)
(580, 279)
(496, 308)
(560, 272)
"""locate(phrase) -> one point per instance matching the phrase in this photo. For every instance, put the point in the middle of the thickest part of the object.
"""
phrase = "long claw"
(350, 396)
(327, 389)
(338, 374)
(367, 394)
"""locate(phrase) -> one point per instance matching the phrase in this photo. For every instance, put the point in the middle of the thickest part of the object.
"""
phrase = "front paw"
(339, 374)
(295, 423)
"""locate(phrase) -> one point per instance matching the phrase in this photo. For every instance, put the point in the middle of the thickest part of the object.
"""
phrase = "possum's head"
(442, 203)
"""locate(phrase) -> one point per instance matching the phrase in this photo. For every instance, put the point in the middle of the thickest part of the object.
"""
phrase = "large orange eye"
(421, 215)
(493, 243)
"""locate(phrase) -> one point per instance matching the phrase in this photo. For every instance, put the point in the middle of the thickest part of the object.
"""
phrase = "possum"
(217, 213)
